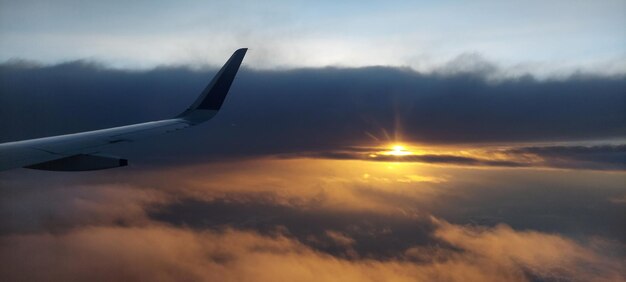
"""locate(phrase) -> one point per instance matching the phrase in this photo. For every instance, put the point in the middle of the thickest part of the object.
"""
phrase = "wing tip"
(211, 99)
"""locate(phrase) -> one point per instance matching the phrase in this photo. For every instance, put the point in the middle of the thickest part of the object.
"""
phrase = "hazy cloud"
(522, 37)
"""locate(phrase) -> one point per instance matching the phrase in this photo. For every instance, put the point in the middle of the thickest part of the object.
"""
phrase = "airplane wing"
(81, 151)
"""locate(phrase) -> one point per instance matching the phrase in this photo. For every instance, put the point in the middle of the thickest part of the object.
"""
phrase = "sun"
(398, 150)
(395, 150)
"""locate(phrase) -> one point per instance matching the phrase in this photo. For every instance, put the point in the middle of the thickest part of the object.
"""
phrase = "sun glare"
(398, 150)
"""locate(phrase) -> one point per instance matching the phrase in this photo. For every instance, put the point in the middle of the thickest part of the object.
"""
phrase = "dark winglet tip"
(215, 92)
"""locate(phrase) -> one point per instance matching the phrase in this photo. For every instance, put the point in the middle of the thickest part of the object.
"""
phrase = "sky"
(360, 141)
(543, 37)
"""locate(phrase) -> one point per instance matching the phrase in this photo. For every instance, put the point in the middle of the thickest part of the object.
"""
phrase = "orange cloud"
(344, 185)
(161, 253)
(106, 232)
(548, 256)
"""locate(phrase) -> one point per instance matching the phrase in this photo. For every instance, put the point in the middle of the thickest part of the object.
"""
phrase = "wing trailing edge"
(81, 163)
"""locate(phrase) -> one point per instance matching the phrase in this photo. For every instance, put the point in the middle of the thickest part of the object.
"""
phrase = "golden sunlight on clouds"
(332, 184)
(303, 220)
(551, 256)
(163, 253)
(345, 185)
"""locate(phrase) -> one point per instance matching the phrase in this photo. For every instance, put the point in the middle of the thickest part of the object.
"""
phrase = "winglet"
(212, 97)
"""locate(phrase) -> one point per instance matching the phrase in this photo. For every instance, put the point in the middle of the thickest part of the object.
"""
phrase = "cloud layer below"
(312, 220)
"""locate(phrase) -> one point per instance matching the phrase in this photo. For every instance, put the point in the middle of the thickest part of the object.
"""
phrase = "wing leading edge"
(80, 151)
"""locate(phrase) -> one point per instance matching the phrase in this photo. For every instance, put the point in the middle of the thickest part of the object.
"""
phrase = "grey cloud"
(376, 235)
(424, 158)
(594, 157)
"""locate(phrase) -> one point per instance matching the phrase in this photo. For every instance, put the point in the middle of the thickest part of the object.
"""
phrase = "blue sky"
(543, 38)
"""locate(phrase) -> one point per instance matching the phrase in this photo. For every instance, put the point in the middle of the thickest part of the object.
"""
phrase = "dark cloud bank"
(275, 112)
